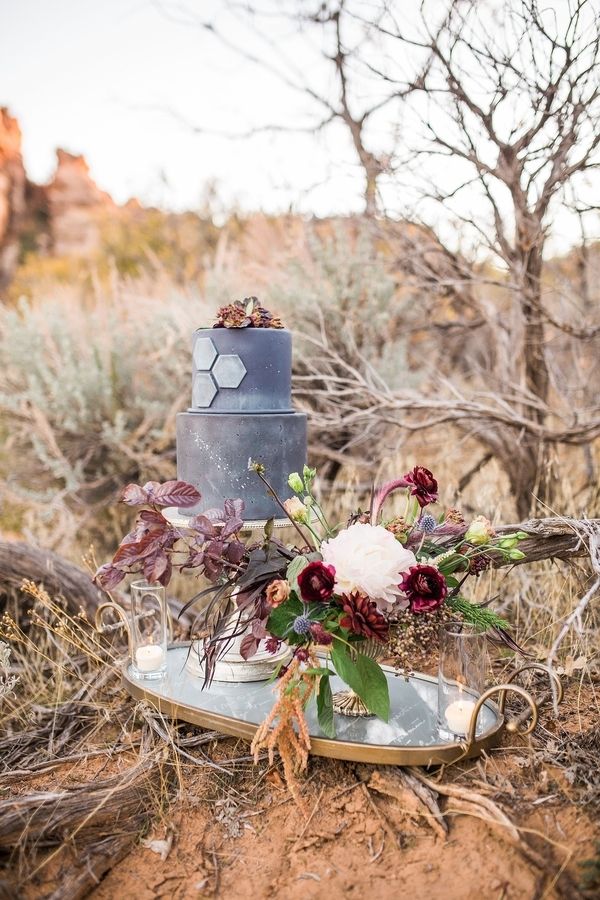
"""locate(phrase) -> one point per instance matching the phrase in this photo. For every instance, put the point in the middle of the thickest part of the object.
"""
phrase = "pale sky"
(117, 80)
(91, 76)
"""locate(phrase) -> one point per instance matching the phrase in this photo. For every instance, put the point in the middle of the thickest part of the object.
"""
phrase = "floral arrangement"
(246, 313)
(334, 590)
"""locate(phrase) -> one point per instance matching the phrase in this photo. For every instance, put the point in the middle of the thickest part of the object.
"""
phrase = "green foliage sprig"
(477, 615)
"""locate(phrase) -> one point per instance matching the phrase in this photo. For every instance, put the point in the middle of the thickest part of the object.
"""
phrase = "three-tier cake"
(241, 410)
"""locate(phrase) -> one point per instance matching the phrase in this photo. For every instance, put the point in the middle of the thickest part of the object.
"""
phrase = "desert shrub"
(88, 400)
(142, 239)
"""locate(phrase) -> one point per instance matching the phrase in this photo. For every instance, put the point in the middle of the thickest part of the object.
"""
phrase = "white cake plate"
(172, 515)
(233, 668)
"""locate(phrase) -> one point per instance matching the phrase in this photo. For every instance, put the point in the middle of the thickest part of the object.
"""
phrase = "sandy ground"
(359, 843)
(241, 836)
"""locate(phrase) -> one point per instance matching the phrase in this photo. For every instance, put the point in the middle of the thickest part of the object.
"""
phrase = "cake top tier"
(242, 369)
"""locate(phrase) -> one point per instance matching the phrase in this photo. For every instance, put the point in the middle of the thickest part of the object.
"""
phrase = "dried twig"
(574, 619)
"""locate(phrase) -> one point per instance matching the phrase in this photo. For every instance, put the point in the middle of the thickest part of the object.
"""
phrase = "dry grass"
(84, 769)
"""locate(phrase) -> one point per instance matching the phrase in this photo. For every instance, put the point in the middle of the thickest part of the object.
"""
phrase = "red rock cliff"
(13, 189)
(61, 218)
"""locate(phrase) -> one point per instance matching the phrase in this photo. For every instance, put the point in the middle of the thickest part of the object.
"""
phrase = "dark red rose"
(363, 617)
(316, 582)
(424, 486)
(425, 587)
(320, 635)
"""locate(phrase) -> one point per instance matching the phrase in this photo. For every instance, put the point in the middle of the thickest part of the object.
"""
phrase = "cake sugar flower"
(368, 560)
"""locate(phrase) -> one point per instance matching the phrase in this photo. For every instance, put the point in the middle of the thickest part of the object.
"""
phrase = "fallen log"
(100, 821)
(19, 561)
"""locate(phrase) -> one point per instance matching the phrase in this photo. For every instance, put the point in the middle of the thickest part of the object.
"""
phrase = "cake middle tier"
(213, 450)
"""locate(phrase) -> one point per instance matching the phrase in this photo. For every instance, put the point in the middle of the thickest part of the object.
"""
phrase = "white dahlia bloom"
(368, 559)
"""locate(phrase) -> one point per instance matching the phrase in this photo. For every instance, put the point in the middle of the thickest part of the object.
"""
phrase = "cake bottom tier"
(213, 452)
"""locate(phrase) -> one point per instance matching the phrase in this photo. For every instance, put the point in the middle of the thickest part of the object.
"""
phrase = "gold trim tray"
(410, 737)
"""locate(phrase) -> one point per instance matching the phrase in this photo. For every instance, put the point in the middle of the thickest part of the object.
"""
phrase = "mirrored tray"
(411, 736)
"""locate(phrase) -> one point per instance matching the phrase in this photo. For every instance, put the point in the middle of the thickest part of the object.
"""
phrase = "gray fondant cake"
(241, 409)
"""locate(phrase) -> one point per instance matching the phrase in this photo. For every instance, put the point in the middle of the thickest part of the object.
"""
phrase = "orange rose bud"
(278, 591)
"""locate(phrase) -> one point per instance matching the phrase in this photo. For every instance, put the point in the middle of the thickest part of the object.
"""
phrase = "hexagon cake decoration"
(205, 353)
(203, 390)
(229, 371)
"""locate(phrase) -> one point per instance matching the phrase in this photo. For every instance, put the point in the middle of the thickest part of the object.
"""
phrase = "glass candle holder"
(461, 680)
(148, 630)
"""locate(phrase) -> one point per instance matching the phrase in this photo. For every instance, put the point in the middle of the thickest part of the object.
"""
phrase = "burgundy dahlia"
(423, 485)
(362, 617)
(425, 587)
(316, 582)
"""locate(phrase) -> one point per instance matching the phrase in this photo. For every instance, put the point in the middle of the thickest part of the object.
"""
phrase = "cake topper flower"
(246, 313)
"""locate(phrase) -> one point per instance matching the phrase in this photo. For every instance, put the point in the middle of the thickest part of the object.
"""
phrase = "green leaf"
(282, 616)
(365, 677)
(325, 708)
(275, 674)
(293, 570)
(376, 695)
(451, 581)
(346, 668)
(447, 566)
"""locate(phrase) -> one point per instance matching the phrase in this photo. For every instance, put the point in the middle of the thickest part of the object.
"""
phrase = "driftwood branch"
(59, 577)
(554, 538)
(91, 809)
(101, 821)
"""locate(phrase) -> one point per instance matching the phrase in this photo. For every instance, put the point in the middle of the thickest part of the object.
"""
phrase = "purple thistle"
(301, 625)
(427, 524)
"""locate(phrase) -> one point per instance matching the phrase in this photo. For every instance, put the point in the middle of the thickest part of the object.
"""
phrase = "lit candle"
(149, 657)
(458, 716)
